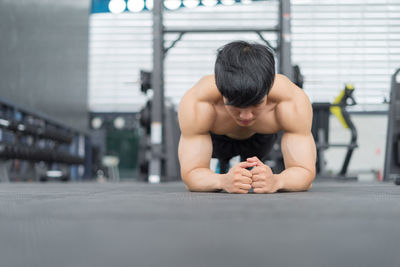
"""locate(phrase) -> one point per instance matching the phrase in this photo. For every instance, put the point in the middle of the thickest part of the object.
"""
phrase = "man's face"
(246, 116)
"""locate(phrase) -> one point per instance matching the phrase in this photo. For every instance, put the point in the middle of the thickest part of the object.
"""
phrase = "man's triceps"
(299, 150)
(195, 155)
(194, 152)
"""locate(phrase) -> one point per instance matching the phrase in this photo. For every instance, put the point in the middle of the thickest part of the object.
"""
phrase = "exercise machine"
(392, 156)
(283, 50)
(169, 134)
(320, 131)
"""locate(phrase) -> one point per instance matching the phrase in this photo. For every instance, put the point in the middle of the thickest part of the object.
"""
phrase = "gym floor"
(136, 224)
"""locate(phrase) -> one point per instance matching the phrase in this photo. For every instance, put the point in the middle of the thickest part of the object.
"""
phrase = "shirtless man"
(239, 111)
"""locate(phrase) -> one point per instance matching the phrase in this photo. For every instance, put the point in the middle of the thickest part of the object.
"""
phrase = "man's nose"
(246, 115)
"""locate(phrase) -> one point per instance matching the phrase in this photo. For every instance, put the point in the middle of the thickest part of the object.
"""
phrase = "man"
(238, 111)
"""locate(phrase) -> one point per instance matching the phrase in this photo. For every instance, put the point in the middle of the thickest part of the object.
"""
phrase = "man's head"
(244, 74)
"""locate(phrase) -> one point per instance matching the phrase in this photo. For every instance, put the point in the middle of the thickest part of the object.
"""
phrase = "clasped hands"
(240, 179)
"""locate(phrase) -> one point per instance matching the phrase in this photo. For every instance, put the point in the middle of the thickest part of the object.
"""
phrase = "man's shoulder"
(196, 111)
(206, 89)
(196, 117)
(283, 89)
(208, 78)
(293, 110)
(284, 92)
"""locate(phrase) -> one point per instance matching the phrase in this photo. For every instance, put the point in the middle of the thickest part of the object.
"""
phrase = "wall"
(44, 55)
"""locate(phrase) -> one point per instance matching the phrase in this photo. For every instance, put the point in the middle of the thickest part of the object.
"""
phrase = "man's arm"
(298, 146)
(299, 156)
(194, 157)
(195, 150)
(195, 145)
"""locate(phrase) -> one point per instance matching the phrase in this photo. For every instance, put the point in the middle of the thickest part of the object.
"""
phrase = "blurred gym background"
(76, 81)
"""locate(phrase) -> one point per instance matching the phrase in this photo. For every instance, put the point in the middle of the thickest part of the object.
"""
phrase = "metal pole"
(157, 109)
(219, 29)
(285, 39)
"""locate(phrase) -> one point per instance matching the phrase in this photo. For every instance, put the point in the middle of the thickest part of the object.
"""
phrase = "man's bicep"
(299, 151)
(194, 152)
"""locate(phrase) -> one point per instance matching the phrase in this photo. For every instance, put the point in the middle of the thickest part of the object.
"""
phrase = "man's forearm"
(203, 179)
(296, 179)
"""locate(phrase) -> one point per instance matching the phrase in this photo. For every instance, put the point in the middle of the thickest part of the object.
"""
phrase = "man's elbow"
(189, 187)
(303, 188)
(308, 187)
(187, 180)
(311, 177)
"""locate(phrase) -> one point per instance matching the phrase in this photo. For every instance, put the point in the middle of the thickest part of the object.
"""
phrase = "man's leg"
(224, 149)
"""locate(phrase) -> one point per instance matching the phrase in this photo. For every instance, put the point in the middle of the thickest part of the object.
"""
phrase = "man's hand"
(263, 180)
(238, 179)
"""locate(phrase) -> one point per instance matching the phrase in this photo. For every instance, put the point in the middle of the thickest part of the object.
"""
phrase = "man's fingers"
(256, 160)
(257, 178)
(246, 173)
(258, 190)
(246, 180)
(245, 186)
(246, 164)
(256, 170)
(265, 170)
(259, 184)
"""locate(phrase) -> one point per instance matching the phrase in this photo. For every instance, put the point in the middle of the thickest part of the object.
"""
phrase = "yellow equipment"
(342, 100)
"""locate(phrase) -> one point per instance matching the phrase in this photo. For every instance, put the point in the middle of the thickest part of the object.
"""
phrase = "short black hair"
(244, 72)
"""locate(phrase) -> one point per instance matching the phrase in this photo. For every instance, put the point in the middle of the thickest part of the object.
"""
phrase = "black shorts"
(225, 148)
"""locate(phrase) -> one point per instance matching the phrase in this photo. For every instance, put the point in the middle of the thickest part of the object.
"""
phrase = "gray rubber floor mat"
(134, 224)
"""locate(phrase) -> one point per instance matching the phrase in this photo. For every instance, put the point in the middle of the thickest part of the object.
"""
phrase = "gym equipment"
(170, 169)
(22, 152)
(39, 131)
(298, 78)
(145, 80)
(33, 145)
(111, 163)
(392, 156)
(320, 130)
(118, 136)
(283, 50)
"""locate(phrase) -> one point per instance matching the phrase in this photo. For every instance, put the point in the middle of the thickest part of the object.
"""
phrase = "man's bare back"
(204, 111)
